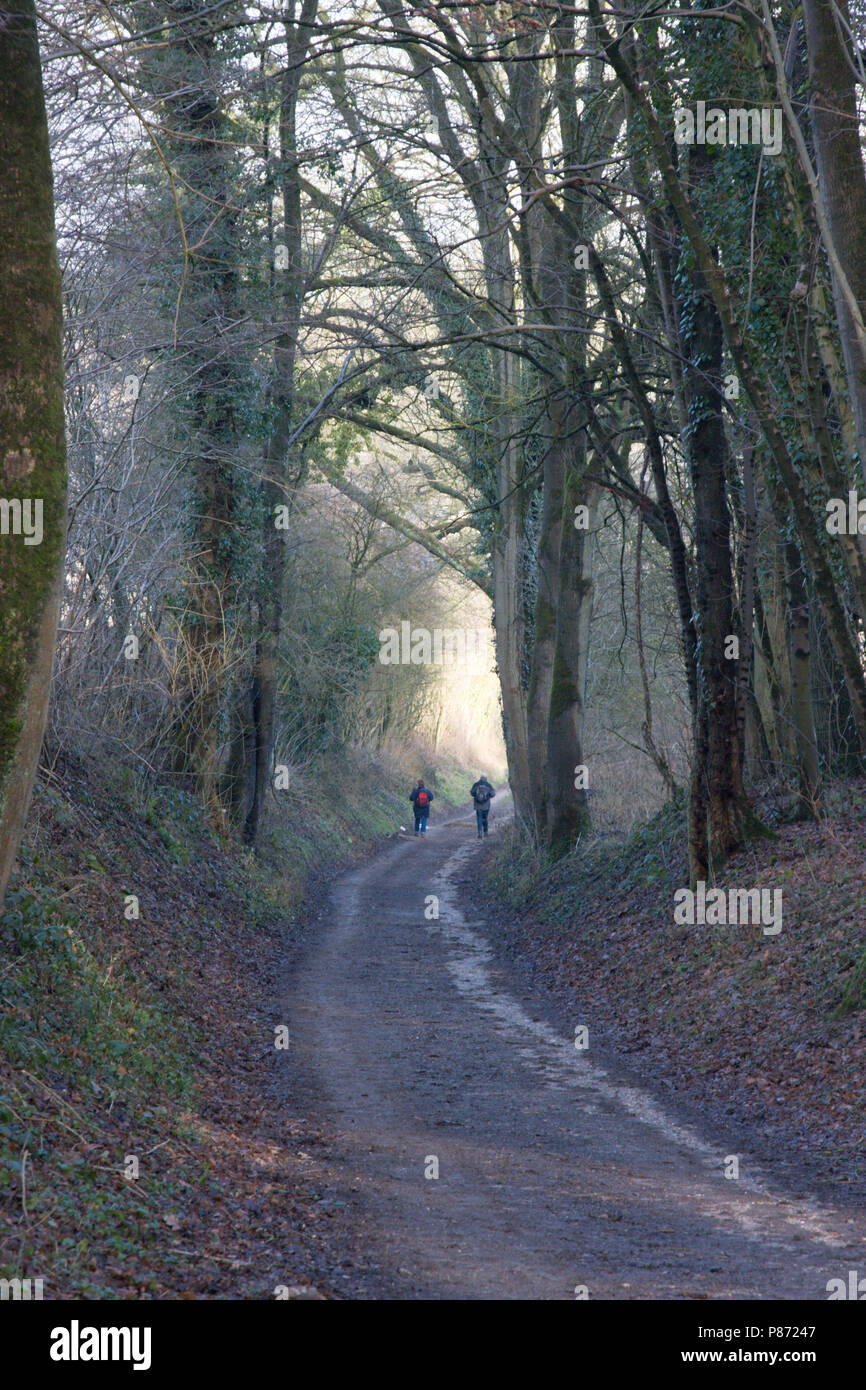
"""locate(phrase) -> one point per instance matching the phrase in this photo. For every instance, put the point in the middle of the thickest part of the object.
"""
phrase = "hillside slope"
(767, 1032)
(142, 1150)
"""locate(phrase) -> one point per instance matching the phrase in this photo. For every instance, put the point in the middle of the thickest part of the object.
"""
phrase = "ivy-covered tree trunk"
(32, 443)
(185, 77)
(564, 289)
(544, 643)
(275, 492)
(717, 802)
(800, 657)
(542, 254)
(567, 801)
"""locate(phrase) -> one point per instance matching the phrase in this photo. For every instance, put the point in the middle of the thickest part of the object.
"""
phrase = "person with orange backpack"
(421, 797)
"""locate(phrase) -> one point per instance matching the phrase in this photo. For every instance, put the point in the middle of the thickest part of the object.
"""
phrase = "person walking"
(481, 793)
(421, 796)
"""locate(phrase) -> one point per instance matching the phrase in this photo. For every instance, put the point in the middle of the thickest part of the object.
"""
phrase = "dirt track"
(408, 1043)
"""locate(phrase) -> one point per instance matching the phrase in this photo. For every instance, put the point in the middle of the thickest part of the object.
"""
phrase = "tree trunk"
(509, 626)
(32, 442)
(567, 802)
(717, 783)
(509, 542)
(546, 603)
(765, 650)
(801, 691)
(799, 664)
(274, 485)
(836, 135)
(185, 79)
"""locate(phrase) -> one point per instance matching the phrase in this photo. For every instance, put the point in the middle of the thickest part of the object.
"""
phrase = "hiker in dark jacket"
(421, 797)
(481, 794)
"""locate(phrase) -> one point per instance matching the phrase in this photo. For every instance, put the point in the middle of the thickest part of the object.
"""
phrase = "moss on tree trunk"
(32, 445)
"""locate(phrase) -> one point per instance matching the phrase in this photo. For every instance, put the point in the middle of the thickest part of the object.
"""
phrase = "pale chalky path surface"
(408, 1044)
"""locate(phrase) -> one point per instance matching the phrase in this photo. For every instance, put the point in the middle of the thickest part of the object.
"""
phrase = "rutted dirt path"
(409, 1044)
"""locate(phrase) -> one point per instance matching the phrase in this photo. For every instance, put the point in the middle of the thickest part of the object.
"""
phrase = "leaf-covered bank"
(142, 1150)
(768, 1032)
